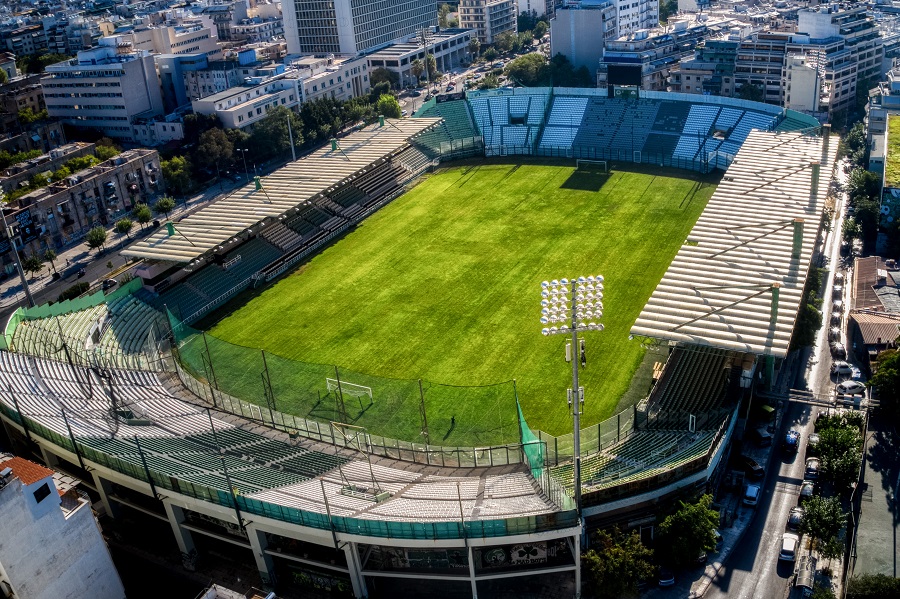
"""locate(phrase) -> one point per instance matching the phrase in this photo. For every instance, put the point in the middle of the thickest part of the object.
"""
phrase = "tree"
(270, 136)
(617, 564)
(195, 124)
(443, 15)
(820, 592)
(689, 532)
(431, 67)
(854, 146)
(751, 92)
(823, 519)
(50, 256)
(852, 230)
(142, 214)
(124, 226)
(95, 238)
(33, 264)
(873, 586)
(105, 152)
(27, 116)
(164, 205)
(863, 185)
(667, 8)
(840, 451)
(3, 76)
(886, 381)
(490, 54)
(215, 149)
(539, 30)
(489, 82)
(531, 70)
(505, 41)
(527, 20)
(382, 74)
(388, 106)
(417, 67)
(868, 214)
(176, 173)
(474, 47)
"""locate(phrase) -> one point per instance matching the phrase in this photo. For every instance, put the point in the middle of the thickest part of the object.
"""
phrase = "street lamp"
(243, 152)
(570, 307)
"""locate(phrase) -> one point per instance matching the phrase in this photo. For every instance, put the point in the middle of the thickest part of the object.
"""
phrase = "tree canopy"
(616, 564)
(688, 532)
(176, 173)
(823, 519)
(388, 106)
(33, 264)
(95, 238)
(886, 381)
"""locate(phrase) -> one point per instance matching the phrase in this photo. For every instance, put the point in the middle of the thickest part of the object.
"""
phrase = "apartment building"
(241, 107)
(450, 47)
(257, 29)
(24, 40)
(541, 8)
(488, 18)
(634, 15)
(709, 72)
(189, 38)
(353, 26)
(63, 212)
(104, 88)
(51, 544)
(579, 31)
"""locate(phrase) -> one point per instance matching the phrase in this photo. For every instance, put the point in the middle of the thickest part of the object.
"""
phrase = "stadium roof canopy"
(288, 187)
(737, 281)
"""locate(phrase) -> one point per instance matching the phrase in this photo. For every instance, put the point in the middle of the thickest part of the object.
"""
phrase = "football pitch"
(443, 285)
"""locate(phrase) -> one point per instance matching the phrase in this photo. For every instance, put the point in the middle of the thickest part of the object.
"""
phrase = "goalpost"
(583, 164)
(346, 388)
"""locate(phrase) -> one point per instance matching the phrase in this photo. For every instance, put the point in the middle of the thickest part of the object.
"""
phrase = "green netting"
(455, 416)
(533, 446)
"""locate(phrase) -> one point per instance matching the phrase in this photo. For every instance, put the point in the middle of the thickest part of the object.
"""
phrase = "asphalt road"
(753, 569)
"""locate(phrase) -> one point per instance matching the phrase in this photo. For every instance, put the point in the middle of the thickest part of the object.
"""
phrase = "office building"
(450, 47)
(104, 88)
(579, 30)
(345, 27)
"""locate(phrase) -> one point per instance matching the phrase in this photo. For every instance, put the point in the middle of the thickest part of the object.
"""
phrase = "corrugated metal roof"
(877, 329)
(718, 291)
(286, 188)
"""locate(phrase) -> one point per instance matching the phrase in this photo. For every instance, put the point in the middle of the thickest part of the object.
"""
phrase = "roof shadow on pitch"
(585, 181)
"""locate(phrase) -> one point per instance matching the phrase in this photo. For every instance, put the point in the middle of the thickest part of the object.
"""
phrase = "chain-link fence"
(410, 410)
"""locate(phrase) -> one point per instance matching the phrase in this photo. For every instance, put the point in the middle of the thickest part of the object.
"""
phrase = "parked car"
(834, 334)
(838, 278)
(807, 490)
(812, 469)
(837, 292)
(415, 93)
(795, 518)
(109, 284)
(851, 388)
(666, 577)
(836, 318)
(751, 495)
(789, 545)
(838, 350)
(812, 444)
(752, 467)
(841, 367)
(837, 306)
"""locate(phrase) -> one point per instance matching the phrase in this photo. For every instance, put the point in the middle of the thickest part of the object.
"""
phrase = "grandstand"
(91, 382)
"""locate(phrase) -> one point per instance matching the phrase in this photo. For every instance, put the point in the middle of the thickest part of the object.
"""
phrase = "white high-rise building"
(488, 18)
(634, 15)
(352, 26)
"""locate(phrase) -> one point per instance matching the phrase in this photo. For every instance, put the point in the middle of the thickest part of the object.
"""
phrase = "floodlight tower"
(571, 315)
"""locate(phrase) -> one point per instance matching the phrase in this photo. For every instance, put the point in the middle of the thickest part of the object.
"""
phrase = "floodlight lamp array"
(561, 297)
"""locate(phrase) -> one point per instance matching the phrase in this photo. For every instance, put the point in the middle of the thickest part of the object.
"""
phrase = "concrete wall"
(47, 556)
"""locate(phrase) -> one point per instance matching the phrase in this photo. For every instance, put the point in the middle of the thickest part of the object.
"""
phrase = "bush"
(873, 586)
(72, 292)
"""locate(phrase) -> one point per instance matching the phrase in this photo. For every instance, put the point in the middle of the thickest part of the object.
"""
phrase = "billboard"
(619, 74)
(26, 227)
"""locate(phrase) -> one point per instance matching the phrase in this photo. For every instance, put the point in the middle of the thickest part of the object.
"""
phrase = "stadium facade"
(97, 387)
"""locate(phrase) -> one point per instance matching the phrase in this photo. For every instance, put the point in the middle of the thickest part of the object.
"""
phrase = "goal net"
(346, 388)
(597, 166)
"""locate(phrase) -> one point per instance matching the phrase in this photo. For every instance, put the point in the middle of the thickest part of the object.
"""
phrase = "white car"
(841, 367)
(789, 545)
(851, 388)
(751, 495)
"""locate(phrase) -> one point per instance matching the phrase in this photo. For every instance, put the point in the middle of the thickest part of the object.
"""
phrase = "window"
(42, 492)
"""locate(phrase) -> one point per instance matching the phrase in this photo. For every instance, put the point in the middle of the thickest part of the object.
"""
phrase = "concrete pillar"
(351, 552)
(576, 544)
(264, 562)
(50, 459)
(104, 488)
(472, 573)
(182, 536)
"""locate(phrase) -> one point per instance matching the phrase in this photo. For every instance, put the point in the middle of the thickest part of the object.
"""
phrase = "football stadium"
(339, 370)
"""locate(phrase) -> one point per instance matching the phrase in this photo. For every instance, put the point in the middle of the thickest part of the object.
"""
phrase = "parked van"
(751, 495)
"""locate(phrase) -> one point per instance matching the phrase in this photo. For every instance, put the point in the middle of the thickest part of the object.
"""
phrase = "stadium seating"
(456, 126)
(567, 111)
(694, 380)
(282, 237)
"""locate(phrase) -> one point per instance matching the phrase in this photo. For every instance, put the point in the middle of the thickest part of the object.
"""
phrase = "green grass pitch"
(443, 284)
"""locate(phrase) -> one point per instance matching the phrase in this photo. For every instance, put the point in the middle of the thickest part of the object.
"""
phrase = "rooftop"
(26, 471)
(212, 227)
(892, 159)
(737, 281)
